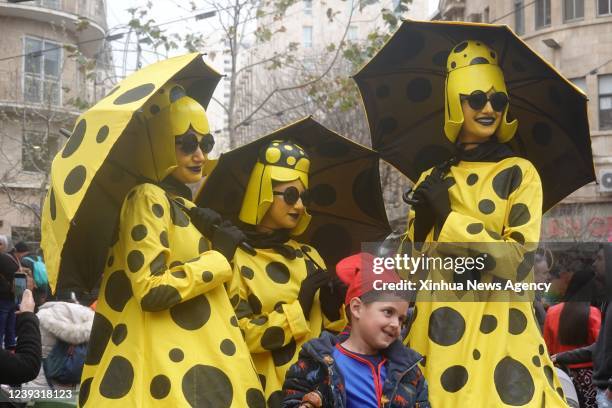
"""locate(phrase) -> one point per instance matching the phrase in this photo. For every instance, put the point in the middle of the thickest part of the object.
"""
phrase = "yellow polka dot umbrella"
(107, 154)
(347, 205)
(402, 88)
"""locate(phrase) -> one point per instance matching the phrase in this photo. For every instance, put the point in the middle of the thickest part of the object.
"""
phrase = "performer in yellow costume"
(486, 200)
(276, 292)
(165, 333)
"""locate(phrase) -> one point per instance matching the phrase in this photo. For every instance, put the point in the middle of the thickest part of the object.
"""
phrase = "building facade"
(576, 37)
(54, 63)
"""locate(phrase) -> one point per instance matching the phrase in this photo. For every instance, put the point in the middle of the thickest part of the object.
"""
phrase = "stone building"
(576, 37)
(54, 63)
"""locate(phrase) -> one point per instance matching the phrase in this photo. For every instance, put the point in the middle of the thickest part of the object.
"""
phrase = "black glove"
(205, 219)
(309, 287)
(332, 297)
(226, 239)
(432, 194)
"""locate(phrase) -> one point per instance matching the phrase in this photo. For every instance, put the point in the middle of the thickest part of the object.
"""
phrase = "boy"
(368, 367)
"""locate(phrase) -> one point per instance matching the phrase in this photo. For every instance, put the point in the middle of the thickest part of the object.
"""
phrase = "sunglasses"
(188, 143)
(478, 99)
(291, 196)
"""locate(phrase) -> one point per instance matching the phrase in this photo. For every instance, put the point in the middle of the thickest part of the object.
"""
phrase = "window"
(580, 82)
(54, 4)
(519, 17)
(308, 7)
(37, 151)
(307, 36)
(604, 7)
(605, 102)
(573, 10)
(42, 71)
(542, 13)
(352, 33)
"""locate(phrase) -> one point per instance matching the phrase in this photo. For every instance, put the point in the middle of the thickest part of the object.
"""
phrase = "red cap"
(358, 272)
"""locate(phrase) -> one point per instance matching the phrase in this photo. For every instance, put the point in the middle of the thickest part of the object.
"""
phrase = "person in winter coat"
(368, 367)
(165, 333)
(480, 351)
(282, 299)
(8, 267)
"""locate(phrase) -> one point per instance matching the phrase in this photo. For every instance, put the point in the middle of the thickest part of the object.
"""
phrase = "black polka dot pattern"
(203, 245)
(247, 272)
(254, 303)
(134, 94)
(536, 361)
(76, 139)
(139, 232)
(159, 298)
(259, 321)
(75, 180)
(160, 386)
(118, 378)
(158, 265)
(548, 372)
(119, 334)
(278, 272)
(479, 60)
(157, 210)
(178, 216)
(255, 398)
(163, 239)
(118, 291)
(454, 378)
(507, 181)
(102, 134)
(523, 269)
(101, 331)
(475, 228)
(488, 324)
(323, 195)
(207, 276)
(476, 354)
(446, 326)
(517, 322)
(84, 391)
(541, 349)
(111, 260)
(284, 354)
(472, 179)
(519, 215)
(228, 347)
(273, 338)
(176, 355)
(52, 205)
(179, 274)
(135, 260)
(275, 400)
(191, 314)
(486, 206)
(234, 321)
(513, 382)
(460, 47)
(418, 90)
(202, 377)
(518, 237)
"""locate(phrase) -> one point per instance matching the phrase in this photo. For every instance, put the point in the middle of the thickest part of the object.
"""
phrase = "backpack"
(64, 364)
(39, 270)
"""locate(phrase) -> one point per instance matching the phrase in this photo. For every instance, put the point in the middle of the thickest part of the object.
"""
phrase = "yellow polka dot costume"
(485, 354)
(264, 288)
(165, 333)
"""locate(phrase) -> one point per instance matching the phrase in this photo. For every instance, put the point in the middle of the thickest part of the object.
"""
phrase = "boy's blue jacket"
(316, 370)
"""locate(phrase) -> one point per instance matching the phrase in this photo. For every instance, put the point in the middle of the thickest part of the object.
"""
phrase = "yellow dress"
(264, 292)
(486, 353)
(165, 333)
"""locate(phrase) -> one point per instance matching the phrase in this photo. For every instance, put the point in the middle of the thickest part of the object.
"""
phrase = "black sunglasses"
(188, 143)
(291, 196)
(478, 99)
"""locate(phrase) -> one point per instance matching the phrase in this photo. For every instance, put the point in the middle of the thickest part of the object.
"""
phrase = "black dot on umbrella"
(160, 386)
(118, 291)
(524, 267)
(548, 372)
(154, 109)
(418, 89)
(176, 355)
(228, 347)
(203, 245)
(158, 265)
(160, 298)
(332, 149)
(134, 94)
(518, 66)
(191, 314)
(474, 228)
(255, 303)
(479, 60)
(284, 354)
(139, 232)
(75, 140)
(363, 185)
(52, 205)
(541, 349)
(84, 391)
(273, 338)
(536, 361)
(383, 91)
(135, 260)
(118, 378)
(75, 180)
(440, 58)
(101, 331)
(460, 47)
(486, 206)
(247, 272)
(518, 237)
(255, 398)
(517, 322)
(276, 399)
(323, 195)
(453, 64)
(454, 378)
(472, 179)
(542, 133)
(157, 210)
(507, 181)
(219, 391)
(387, 125)
(163, 239)
(519, 215)
(278, 272)
(513, 382)
(119, 334)
(488, 324)
(476, 354)
(446, 326)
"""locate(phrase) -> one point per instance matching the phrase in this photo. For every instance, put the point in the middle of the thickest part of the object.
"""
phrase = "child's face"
(380, 323)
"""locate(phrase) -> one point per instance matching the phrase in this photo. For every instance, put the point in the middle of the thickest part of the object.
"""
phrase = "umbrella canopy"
(347, 204)
(402, 88)
(108, 153)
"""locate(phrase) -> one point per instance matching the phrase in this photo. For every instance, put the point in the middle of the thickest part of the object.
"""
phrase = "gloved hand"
(433, 194)
(309, 287)
(226, 239)
(205, 219)
(332, 297)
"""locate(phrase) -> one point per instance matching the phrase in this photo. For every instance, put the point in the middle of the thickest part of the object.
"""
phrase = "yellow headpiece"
(168, 114)
(473, 66)
(278, 161)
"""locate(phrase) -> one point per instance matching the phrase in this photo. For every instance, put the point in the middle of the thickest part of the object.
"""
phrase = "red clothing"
(551, 332)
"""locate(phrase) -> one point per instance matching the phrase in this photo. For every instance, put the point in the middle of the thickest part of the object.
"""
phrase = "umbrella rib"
(323, 213)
